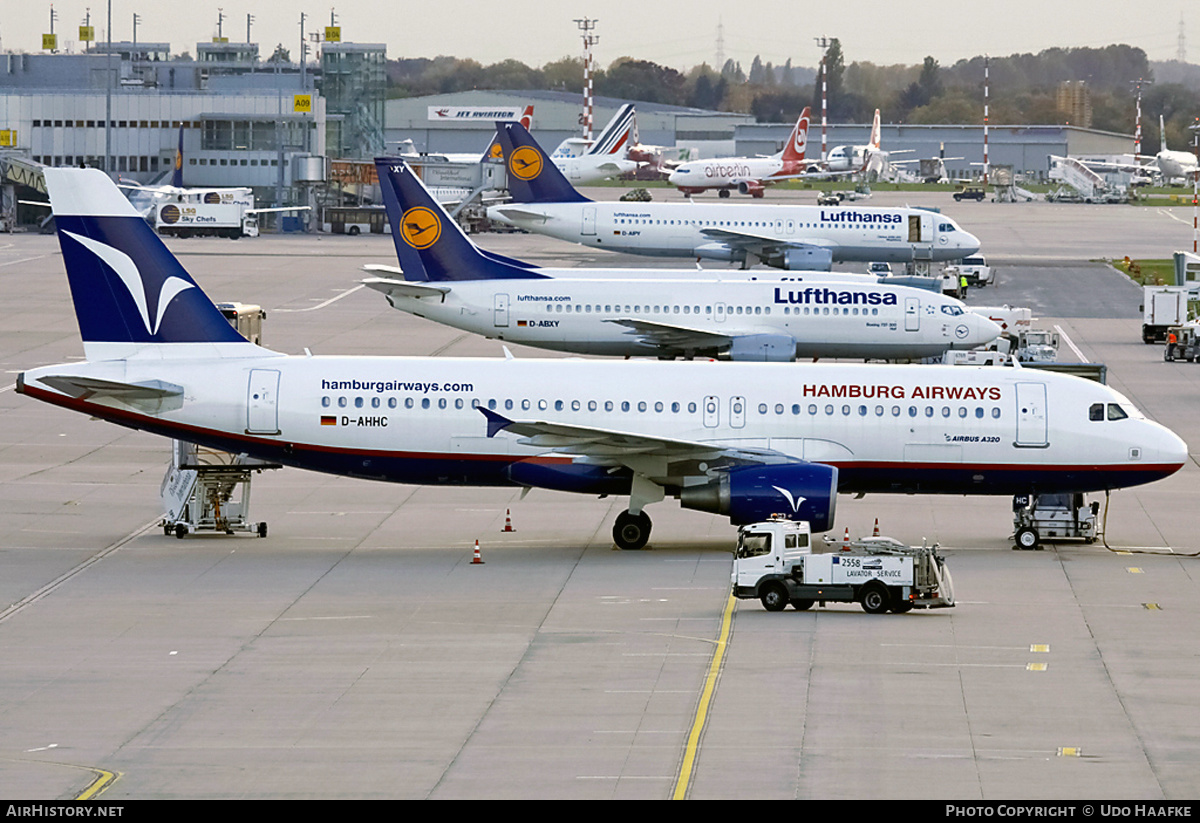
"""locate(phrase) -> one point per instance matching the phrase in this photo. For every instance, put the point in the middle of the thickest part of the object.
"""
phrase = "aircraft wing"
(518, 212)
(278, 208)
(597, 442)
(758, 243)
(404, 288)
(668, 335)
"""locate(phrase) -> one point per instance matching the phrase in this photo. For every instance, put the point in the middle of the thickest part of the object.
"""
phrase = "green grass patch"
(1147, 272)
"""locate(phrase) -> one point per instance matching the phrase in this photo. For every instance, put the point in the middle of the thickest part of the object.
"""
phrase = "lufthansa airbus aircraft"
(745, 440)
(787, 237)
(653, 312)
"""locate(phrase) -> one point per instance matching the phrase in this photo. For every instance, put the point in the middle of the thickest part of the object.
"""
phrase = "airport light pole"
(823, 44)
(108, 86)
(586, 25)
(1137, 126)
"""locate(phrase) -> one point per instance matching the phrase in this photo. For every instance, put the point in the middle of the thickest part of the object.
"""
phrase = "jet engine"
(802, 258)
(752, 188)
(747, 494)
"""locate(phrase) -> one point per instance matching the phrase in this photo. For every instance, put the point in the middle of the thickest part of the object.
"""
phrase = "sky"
(676, 34)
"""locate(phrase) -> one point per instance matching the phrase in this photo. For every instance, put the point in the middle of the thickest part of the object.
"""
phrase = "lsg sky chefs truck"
(775, 563)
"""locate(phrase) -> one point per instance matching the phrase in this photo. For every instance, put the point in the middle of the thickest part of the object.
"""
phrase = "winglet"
(495, 422)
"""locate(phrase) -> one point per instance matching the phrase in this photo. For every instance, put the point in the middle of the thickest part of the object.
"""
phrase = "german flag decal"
(328, 420)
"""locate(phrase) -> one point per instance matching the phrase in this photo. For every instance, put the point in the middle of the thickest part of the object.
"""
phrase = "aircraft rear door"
(501, 310)
(262, 402)
(712, 411)
(1031, 416)
(589, 221)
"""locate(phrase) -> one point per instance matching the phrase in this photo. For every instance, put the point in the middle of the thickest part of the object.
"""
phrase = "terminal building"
(242, 121)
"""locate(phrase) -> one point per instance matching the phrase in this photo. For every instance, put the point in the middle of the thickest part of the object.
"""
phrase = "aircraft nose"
(1171, 449)
(970, 243)
(973, 331)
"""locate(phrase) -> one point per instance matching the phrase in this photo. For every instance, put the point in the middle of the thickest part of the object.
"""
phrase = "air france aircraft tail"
(532, 177)
(614, 140)
(429, 245)
(130, 292)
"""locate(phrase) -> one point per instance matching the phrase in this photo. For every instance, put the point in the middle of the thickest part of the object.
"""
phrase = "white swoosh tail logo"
(127, 270)
(794, 502)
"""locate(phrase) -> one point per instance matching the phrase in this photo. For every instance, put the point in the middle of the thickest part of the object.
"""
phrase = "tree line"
(1023, 88)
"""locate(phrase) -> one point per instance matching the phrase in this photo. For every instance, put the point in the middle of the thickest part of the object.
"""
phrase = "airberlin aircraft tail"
(797, 144)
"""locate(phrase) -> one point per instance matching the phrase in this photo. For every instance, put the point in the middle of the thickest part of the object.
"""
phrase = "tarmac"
(357, 652)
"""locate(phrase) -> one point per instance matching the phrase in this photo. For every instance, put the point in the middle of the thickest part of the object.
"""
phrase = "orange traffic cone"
(846, 540)
(507, 522)
(477, 560)
(876, 532)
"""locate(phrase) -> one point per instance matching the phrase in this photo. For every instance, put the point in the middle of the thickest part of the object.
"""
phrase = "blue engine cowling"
(748, 494)
(581, 478)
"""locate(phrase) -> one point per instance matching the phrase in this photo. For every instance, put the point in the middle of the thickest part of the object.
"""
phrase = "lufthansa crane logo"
(420, 227)
(525, 163)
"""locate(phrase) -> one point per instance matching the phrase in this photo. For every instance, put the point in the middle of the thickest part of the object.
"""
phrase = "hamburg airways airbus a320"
(655, 312)
(745, 440)
(787, 237)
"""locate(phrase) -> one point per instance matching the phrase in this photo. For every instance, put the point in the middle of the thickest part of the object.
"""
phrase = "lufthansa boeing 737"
(745, 440)
(788, 237)
(655, 312)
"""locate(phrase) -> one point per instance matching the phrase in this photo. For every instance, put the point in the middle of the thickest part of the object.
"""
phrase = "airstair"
(1081, 184)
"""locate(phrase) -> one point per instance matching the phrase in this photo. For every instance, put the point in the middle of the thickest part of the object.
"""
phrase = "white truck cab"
(775, 563)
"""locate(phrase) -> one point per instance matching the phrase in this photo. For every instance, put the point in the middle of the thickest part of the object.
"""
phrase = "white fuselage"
(1174, 164)
(590, 168)
(856, 234)
(725, 173)
(940, 429)
(825, 317)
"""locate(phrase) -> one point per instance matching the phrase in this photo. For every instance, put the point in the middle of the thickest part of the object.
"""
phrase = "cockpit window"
(1115, 412)
(952, 310)
(754, 544)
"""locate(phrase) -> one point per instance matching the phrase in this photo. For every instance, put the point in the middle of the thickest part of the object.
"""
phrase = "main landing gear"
(631, 531)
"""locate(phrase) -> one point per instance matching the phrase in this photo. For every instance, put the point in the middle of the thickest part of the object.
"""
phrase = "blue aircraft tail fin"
(532, 176)
(429, 243)
(126, 286)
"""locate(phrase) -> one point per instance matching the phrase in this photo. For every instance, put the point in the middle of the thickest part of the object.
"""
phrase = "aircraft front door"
(501, 311)
(912, 314)
(712, 412)
(262, 402)
(1032, 426)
